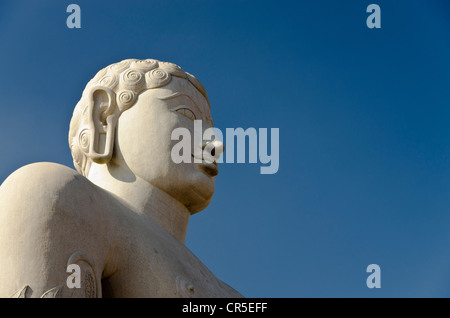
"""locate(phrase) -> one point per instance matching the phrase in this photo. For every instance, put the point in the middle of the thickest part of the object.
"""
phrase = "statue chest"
(154, 264)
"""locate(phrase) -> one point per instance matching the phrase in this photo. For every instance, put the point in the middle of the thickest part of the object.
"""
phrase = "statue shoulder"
(51, 217)
(39, 177)
(45, 190)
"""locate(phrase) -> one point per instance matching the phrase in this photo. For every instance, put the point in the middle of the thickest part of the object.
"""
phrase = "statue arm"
(43, 230)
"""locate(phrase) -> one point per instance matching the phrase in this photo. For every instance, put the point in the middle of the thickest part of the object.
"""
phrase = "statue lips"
(208, 167)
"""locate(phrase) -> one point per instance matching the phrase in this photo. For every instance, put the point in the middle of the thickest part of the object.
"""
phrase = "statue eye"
(187, 113)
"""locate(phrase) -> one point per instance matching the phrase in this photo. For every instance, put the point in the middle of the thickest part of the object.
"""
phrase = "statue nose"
(213, 148)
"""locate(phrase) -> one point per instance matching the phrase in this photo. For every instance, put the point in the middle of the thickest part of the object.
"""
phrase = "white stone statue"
(122, 218)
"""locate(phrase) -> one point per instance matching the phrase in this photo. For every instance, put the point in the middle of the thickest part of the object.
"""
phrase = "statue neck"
(146, 199)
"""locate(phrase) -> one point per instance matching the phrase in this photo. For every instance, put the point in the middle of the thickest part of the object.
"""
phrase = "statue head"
(125, 118)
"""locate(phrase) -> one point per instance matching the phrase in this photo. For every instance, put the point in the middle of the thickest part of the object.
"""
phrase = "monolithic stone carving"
(122, 218)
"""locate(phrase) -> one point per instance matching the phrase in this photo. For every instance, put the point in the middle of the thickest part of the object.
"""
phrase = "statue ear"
(102, 118)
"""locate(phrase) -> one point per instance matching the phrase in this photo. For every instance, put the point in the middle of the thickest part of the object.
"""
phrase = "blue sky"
(363, 116)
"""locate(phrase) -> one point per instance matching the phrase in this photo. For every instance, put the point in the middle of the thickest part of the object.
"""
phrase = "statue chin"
(197, 196)
(199, 205)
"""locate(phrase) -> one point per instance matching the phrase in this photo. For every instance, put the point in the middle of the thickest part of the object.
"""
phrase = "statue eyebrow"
(178, 94)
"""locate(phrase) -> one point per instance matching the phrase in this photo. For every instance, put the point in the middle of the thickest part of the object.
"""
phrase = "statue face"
(143, 142)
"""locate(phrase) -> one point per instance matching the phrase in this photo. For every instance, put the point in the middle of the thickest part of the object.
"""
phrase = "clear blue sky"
(363, 116)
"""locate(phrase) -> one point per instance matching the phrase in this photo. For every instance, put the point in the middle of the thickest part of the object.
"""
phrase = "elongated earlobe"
(97, 140)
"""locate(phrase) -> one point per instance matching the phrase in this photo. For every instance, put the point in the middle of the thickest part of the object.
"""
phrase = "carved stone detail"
(53, 293)
(89, 281)
(26, 292)
(23, 293)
